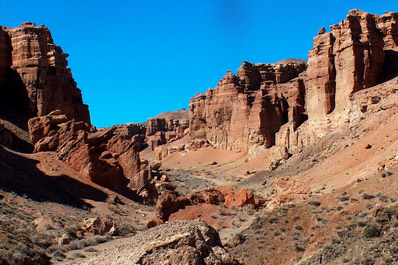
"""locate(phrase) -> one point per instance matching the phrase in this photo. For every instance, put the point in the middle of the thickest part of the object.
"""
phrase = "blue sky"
(135, 59)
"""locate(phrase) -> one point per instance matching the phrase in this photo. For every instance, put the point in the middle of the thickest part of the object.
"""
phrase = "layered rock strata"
(267, 105)
(246, 110)
(34, 77)
(164, 130)
(342, 62)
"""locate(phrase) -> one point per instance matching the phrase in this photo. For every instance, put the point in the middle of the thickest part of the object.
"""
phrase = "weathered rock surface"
(237, 197)
(342, 62)
(104, 156)
(287, 190)
(178, 207)
(290, 105)
(34, 77)
(179, 242)
(246, 110)
(164, 130)
(163, 151)
(98, 226)
(388, 25)
(209, 196)
(170, 202)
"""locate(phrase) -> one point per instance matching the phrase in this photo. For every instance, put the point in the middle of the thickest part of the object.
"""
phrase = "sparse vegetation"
(314, 203)
(343, 197)
(299, 227)
(372, 231)
(367, 196)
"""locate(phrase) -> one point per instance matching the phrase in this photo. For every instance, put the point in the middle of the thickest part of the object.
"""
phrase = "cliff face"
(34, 74)
(268, 104)
(342, 62)
(246, 110)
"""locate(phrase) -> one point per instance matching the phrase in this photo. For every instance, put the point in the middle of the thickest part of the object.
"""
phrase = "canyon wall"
(342, 62)
(291, 104)
(34, 77)
(247, 109)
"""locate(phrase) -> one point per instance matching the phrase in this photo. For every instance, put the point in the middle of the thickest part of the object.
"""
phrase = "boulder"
(288, 189)
(99, 226)
(209, 196)
(237, 197)
(169, 202)
(322, 31)
(180, 242)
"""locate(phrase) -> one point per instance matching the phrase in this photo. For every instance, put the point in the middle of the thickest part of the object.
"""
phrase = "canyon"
(284, 160)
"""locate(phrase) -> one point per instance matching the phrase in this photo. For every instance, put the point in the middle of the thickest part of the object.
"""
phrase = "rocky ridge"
(289, 105)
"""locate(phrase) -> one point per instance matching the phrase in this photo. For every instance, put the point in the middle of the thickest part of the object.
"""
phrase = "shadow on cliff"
(14, 108)
(20, 175)
(14, 101)
(390, 67)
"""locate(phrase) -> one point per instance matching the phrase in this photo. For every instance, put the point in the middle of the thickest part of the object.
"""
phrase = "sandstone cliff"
(34, 77)
(246, 110)
(342, 62)
(290, 104)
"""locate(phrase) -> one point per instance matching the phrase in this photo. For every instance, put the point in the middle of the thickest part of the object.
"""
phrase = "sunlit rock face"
(34, 74)
(247, 109)
(291, 103)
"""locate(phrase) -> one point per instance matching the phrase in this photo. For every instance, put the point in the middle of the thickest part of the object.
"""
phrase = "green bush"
(372, 231)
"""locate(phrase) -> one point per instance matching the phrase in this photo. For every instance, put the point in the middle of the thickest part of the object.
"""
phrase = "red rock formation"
(342, 62)
(169, 202)
(248, 109)
(104, 156)
(164, 130)
(388, 25)
(130, 130)
(34, 74)
(267, 105)
(288, 190)
(223, 195)
(209, 196)
(237, 197)
(163, 151)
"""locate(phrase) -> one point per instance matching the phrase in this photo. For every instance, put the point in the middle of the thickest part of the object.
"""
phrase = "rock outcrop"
(287, 190)
(291, 104)
(246, 110)
(170, 202)
(98, 226)
(388, 25)
(34, 77)
(164, 130)
(179, 242)
(237, 197)
(104, 156)
(342, 62)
